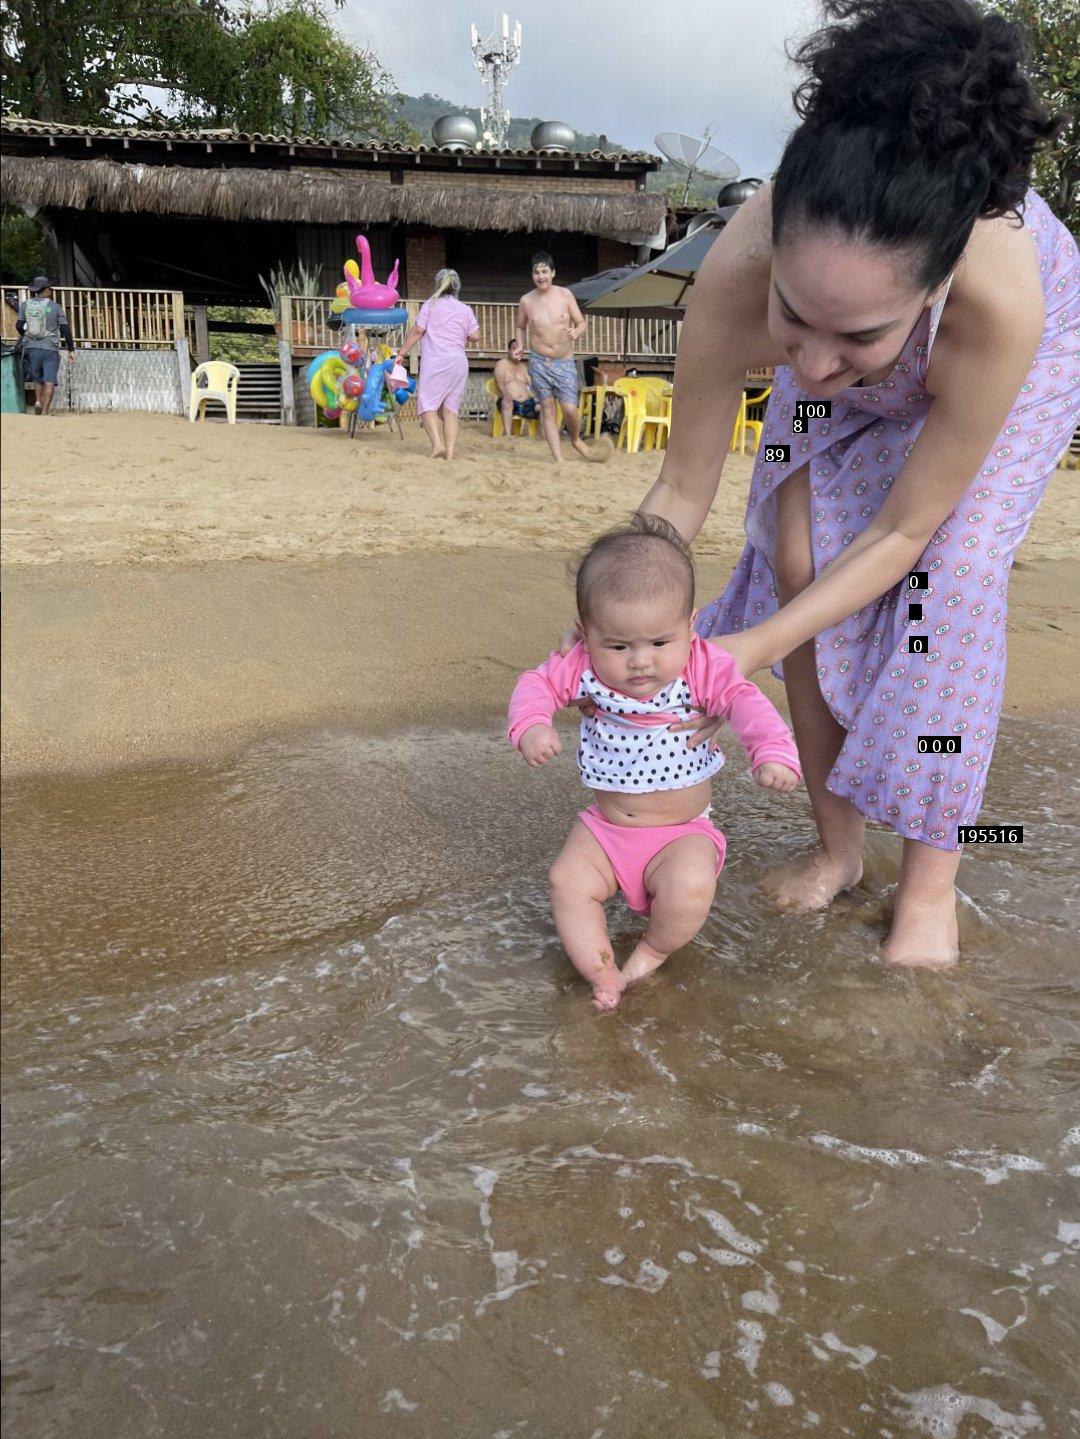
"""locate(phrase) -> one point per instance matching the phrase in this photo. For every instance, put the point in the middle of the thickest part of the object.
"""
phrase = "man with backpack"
(41, 322)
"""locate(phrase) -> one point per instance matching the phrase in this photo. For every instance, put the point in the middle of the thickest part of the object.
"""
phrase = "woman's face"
(841, 311)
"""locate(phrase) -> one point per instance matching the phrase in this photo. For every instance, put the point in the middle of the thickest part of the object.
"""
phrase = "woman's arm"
(725, 333)
(413, 337)
(985, 357)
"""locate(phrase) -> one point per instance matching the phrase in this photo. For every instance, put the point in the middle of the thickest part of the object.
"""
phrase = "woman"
(445, 326)
(899, 267)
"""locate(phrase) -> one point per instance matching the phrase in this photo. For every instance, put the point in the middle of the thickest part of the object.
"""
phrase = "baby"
(641, 669)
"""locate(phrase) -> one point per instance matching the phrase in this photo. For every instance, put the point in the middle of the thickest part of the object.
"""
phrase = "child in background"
(642, 669)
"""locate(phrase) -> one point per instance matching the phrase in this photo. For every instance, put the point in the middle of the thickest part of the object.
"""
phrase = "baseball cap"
(40, 282)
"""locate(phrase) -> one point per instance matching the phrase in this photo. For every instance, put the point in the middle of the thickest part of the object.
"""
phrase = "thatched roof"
(323, 197)
(17, 125)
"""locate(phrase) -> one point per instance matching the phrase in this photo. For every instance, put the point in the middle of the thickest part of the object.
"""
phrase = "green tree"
(283, 68)
(1054, 30)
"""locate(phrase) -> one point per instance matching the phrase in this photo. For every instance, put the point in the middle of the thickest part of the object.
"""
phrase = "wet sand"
(173, 591)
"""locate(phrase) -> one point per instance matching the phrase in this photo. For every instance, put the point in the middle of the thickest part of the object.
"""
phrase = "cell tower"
(495, 57)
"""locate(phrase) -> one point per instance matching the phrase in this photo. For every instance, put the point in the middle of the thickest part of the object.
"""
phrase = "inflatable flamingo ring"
(365, 293)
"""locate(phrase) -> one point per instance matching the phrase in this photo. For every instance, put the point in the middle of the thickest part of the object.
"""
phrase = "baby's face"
(639, 648)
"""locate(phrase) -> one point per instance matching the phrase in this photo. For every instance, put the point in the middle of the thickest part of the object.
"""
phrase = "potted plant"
(298, 281)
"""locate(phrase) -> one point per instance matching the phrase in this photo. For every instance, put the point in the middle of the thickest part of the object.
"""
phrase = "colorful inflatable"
(360, 291)
(355, 379)
(339, 384)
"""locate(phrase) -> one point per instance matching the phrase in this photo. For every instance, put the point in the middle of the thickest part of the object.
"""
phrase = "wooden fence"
(109, 319)
(606, 336)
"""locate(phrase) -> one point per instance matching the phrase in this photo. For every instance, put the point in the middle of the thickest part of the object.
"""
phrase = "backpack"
(37, 319)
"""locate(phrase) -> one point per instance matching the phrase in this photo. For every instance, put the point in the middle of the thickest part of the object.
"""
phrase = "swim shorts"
(554, 379)
(42, 366)
(526, 409)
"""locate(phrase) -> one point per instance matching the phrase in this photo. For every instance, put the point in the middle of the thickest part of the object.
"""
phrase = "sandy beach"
(173, 590)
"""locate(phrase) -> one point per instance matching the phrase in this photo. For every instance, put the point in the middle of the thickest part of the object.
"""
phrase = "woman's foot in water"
(924, 933)
(810, 881)
(644, 961)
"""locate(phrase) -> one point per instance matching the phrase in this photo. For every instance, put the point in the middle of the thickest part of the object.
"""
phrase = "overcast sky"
(625, 70)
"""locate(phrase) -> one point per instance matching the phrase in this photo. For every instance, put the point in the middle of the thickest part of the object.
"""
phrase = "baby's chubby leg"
(682, 882)
(581, 880)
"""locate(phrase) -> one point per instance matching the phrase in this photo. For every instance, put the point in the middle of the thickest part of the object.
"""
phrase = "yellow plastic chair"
(751, 419)
(646, 414)
(214, 380)
(523, 426)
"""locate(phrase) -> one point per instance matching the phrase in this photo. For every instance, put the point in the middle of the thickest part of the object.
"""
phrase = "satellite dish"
(691, 156)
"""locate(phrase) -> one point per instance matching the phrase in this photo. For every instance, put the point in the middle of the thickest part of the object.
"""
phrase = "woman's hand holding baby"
(539, 743)
(771, 775)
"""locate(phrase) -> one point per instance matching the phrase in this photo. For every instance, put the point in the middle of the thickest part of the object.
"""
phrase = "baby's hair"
(634, 564)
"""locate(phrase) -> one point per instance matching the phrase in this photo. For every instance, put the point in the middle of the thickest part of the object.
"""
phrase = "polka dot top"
(626, 746)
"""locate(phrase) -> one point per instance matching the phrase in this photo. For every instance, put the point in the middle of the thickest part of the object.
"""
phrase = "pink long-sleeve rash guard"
(710, 683)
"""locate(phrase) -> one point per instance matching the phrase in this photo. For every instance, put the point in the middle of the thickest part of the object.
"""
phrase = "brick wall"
(425, 253)
(610, 254)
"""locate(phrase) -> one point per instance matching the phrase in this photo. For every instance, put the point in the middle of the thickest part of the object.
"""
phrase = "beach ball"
(332, 414)
(352, 385)
(350, 352)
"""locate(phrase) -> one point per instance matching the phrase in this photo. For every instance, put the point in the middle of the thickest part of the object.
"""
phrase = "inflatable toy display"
(360, 379)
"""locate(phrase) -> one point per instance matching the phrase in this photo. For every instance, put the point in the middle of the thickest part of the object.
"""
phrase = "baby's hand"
(539, 743)
(775, 776)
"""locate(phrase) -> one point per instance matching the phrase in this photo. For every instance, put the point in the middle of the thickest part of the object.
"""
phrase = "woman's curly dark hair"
(917, 119)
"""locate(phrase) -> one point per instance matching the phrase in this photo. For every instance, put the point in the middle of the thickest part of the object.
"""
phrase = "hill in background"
(420, 112)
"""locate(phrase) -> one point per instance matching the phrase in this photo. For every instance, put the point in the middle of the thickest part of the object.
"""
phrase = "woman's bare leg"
(451, 424)
(811, 881)
(581, 880)
(433, 429)
(924, 932)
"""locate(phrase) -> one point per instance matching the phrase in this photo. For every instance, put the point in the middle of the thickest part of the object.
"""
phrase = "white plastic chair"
(214, 380)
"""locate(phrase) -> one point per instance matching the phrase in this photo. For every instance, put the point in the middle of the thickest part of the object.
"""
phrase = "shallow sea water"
(311, 1129)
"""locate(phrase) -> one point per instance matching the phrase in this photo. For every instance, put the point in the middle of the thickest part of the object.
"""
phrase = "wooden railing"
(109, 319)
(606, 336)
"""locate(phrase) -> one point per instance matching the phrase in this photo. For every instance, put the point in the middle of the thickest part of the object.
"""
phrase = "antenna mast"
(495, 57)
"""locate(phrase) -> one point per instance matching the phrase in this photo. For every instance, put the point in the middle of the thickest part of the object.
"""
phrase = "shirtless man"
(549, 321)
(511, 375)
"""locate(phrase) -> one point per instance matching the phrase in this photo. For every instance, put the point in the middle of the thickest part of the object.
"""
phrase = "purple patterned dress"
(885, 697)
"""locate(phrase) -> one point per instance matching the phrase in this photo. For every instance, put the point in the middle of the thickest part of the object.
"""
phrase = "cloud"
(626, 72)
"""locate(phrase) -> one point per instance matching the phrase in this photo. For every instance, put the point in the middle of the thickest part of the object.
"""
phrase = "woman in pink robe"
(444, 327)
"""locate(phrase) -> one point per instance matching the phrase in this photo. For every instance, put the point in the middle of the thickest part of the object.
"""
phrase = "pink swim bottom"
(632, 848)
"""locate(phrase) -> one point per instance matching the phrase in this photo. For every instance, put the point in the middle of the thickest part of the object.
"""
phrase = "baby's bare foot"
(810, 881)
(924, 934)
(608, 984)
(642, 962)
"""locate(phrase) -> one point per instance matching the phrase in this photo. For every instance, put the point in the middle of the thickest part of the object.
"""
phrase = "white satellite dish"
(692, 156)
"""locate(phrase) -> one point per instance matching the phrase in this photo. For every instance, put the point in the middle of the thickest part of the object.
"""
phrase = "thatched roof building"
(209, 211)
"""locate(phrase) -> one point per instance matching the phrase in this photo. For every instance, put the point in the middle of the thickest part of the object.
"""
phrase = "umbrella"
(662, 285)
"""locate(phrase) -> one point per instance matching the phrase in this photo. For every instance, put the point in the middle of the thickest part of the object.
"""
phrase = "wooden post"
(178, 317)
(183, 366)
(202, 335)
(288, 399)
